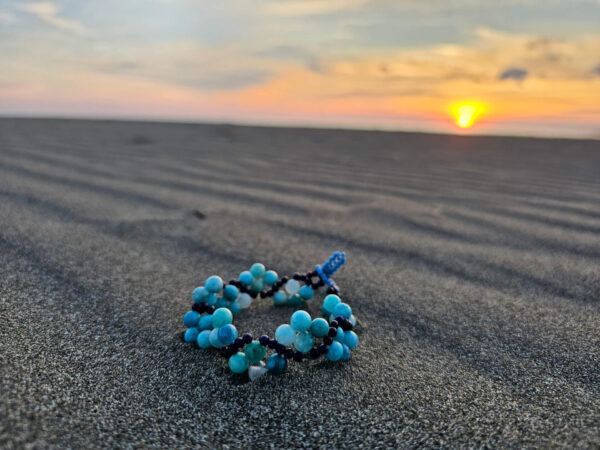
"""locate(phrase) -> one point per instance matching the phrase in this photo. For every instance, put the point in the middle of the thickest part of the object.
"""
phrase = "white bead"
(244, 300)
(255, 372)
(292, 287)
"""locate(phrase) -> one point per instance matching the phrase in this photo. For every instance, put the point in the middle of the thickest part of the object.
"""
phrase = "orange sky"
(371, 64)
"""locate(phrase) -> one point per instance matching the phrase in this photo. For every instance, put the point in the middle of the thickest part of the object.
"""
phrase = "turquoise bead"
(306, 292)
(200, 294)
(329, 303)
(221, 316)
(304, 341)
(319, 328)
(276, 364)
(342, 309)
(255, 352)
(213, 284)
(257, 270)
(235, 307)
(227, 334)
(191, 334)
(270, 277)
(230, 292)
(191, 319)
(205, 322)
(294, 300)
(346, 353)
(350, 339)
(212, 300)
(334, 351)
(203, 339)
(285, 335)
(340, 335)
(246, 278)
(258, 285)
(238, 363)
(279, 298)
(221, 303)
(301, 321)
(352, 320)
(214, 338)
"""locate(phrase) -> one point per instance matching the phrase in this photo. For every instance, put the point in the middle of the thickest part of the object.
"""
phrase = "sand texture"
(473, 266)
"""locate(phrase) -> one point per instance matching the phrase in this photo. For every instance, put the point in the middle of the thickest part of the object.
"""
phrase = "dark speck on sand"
(473, 265)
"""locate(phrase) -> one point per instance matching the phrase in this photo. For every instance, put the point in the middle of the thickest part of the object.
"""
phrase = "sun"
(466, 113)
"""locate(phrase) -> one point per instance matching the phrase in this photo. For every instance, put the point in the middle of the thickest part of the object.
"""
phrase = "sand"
(473, 266)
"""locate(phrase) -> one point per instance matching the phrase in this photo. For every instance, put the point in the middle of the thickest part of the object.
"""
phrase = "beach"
(472, 267)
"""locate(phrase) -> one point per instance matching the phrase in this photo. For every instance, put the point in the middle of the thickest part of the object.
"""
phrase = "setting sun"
(466, 113)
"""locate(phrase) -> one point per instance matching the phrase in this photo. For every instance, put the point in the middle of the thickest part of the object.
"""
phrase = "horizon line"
(287, 125)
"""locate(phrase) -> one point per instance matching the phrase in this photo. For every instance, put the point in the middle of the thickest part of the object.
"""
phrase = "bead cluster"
(210, 322)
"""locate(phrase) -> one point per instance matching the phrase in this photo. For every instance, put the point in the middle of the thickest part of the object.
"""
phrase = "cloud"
(227, 80)
(6, 17)
(48, 12)
(514, 73)
(311, 7)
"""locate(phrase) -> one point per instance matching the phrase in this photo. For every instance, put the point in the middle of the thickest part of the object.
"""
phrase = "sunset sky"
(532, 67)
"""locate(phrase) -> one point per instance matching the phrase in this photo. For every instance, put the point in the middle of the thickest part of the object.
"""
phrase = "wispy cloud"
(7, 17)
(311, 7)
(48, 12)
(514, 73)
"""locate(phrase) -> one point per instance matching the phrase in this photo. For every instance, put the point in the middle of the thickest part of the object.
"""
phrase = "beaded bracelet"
(210, 320)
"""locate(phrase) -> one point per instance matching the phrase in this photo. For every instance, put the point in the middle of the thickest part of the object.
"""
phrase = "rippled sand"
(473, 266)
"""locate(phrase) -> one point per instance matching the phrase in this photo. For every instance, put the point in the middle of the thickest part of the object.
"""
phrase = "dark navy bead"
(330, 290)
(264, 340)
(334, 324)
(346, 325)
(298, 356)
(280, 349)
(210, 309)
(321, 282)
(284, 280)
(289, 353)
(199, 307)
(332, 332)
(238, 342)
(296, 276)
(272, 343)
(314, 353)
(323, 349)
(315, 286)
(270, 293)
(232, 282)
(328, 340)
(253, 294)
(247, 338)
(339, 319)
(263, 294)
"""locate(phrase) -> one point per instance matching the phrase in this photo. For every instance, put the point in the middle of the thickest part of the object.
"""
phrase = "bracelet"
(210, 322)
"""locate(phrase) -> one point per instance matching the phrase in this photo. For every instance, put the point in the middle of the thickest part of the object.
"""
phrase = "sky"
(529, 67)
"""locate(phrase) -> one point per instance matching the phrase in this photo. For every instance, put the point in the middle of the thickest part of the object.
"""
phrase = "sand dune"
(473, 265)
